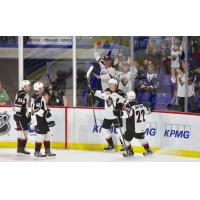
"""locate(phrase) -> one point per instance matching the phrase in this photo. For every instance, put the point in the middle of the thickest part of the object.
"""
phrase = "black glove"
(117, 113)
(91, 91)
(17, 117)
(119, 106)
(47, 113)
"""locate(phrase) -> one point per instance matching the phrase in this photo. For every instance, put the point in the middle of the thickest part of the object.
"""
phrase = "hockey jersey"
(111, 100)
(125, 81)
(21, 102)
(175, 58)
(134, 115)
(38, 107)
(105, 73)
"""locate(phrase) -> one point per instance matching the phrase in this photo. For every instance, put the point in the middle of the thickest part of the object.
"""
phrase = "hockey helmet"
(25, 83)
(113, 81)
(131, 95)
(38, 85)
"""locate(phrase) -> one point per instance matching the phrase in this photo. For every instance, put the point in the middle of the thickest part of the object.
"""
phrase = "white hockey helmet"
(113, 81)
(131, 95)
(25, 83)
(38, 85)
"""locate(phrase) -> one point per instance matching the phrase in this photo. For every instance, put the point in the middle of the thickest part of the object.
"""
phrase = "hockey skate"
(128, 153)
(109, 148)
(148, 152)
(50, 154)
(23, 151)
(122, 148)
(39, 155)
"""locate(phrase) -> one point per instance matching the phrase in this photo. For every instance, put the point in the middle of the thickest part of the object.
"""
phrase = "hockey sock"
(47, 146)
(21, 143)
(110, 141)
(38, 146)
(146, 146)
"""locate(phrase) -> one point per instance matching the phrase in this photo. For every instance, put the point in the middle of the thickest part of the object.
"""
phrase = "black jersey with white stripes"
(21, 102)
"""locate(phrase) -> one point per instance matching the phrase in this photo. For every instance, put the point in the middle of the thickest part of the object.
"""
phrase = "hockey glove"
(119, 106)
(117, 113)
(91, 91)
(17, 117)
(47, 113)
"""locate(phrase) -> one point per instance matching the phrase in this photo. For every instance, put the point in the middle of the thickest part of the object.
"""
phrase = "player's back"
(140, 111)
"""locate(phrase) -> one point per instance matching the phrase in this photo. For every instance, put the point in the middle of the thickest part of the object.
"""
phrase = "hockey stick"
(19, 121)
(88, 81)
(121, 141)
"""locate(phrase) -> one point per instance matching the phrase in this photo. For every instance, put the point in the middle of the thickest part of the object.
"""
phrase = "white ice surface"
(10, 155)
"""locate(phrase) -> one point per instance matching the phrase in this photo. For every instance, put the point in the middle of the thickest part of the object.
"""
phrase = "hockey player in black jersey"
(40, 116)
(134, 114)
(113, 99)
(22, 116)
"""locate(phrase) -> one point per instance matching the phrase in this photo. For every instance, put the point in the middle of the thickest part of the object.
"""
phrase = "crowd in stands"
(158, 75)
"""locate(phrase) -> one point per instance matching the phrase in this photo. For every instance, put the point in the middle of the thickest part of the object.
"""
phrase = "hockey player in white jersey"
(134, 114)
(22, 116)
(107, 70)
(114, 99)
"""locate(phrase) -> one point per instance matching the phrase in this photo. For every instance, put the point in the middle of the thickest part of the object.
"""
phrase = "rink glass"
(44, 55)
(9, 67)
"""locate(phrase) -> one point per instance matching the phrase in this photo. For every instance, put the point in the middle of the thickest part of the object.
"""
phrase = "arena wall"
(167, 133)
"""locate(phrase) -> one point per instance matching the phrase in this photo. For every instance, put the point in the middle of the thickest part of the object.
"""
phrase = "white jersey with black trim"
(175, 58)
(135, 116)
(125, 81)
(111, 100)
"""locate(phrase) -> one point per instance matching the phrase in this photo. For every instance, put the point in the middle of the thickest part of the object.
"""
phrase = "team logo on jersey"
(109, 101)
(4, 123)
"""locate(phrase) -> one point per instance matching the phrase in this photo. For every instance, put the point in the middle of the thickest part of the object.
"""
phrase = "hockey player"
(41, 114)
(22, 116)
(113, 99)
(107, 69)
(134, 114)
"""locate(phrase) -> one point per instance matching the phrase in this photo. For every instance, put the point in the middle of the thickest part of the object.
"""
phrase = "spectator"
(4, 98)
(151, 54)
(125, 78)
(149, 85)
(181, 78)
(165, 55)
(197, 88)
(176, 56)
